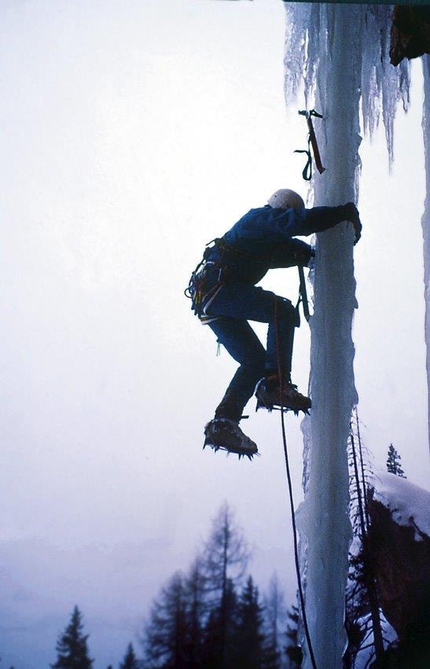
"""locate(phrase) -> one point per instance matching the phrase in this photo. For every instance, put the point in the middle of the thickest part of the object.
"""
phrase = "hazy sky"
(132, 133)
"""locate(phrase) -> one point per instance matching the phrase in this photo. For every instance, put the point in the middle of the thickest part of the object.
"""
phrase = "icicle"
(426, 217)
(382, 86)
(339, 53)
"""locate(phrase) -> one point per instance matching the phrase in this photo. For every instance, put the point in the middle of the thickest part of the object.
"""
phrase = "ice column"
(339, 51)
(426, 216)
(324, 519)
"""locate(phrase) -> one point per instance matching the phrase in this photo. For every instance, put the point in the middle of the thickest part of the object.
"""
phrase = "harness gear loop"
(197, 289)
(208, 278)
(312, 142)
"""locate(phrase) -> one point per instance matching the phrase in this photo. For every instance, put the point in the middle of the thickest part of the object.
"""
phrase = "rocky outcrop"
(400, 552)
(401, 562)
(410, 32)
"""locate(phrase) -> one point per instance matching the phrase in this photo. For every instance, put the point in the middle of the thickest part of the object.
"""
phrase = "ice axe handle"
(303, 293)
(314, 144)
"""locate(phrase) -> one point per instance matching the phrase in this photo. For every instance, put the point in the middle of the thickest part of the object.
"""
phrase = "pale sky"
(133, 133)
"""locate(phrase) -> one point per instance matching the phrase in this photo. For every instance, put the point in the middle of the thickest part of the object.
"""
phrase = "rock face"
(410, 32)
(400, 552)
(401, 556)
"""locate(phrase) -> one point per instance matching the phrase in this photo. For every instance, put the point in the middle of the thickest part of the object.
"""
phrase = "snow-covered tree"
(72, 646)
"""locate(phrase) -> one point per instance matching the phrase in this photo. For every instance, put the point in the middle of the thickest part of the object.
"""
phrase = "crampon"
(225, 435)
(274, 397)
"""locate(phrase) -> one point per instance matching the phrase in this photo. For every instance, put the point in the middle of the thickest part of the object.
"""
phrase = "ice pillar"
(324, 519)
(426, 218)
(340, 53)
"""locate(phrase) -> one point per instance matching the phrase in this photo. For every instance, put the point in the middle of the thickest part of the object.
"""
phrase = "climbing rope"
(291, 497)
(296, 547)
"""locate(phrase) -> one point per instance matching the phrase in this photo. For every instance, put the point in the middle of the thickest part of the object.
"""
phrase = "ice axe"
(312, 142)
(303, 294)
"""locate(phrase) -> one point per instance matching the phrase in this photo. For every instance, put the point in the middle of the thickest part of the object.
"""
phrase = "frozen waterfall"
(426, 217)
(338, 55)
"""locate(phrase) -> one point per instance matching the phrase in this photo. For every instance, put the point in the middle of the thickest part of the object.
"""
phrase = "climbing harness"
(209, 275)
(312, 143)
(197, 290)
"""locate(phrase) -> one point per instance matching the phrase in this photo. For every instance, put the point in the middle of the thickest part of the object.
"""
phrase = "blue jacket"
(263, 239)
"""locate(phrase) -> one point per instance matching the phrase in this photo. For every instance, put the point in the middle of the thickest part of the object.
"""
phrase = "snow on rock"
(398, 542)
(408, 503)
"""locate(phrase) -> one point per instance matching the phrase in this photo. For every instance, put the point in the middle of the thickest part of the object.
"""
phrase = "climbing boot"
(225, 434)
(270, 394)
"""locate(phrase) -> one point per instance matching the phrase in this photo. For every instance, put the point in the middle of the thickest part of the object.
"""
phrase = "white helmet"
(286, 199)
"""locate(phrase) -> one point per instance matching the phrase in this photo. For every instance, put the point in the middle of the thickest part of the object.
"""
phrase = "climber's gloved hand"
(351, 214)
(302, 252)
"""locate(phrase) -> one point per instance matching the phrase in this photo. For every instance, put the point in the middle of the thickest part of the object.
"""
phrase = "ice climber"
(225, 297)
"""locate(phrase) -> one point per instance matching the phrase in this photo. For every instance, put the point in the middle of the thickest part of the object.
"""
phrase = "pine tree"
(175, 633)
(130, 661)
(72, 646)
(363, 613)
(196, 612)
(225, 554)
(293, 648)
(165, 640)
(191, 624)
(274, 614)
(358, 618)
(249, 637)
(393, 462)
(219, 635)
(225, 558)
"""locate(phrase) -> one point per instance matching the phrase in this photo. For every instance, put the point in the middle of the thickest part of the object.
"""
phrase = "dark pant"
(234, 305)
